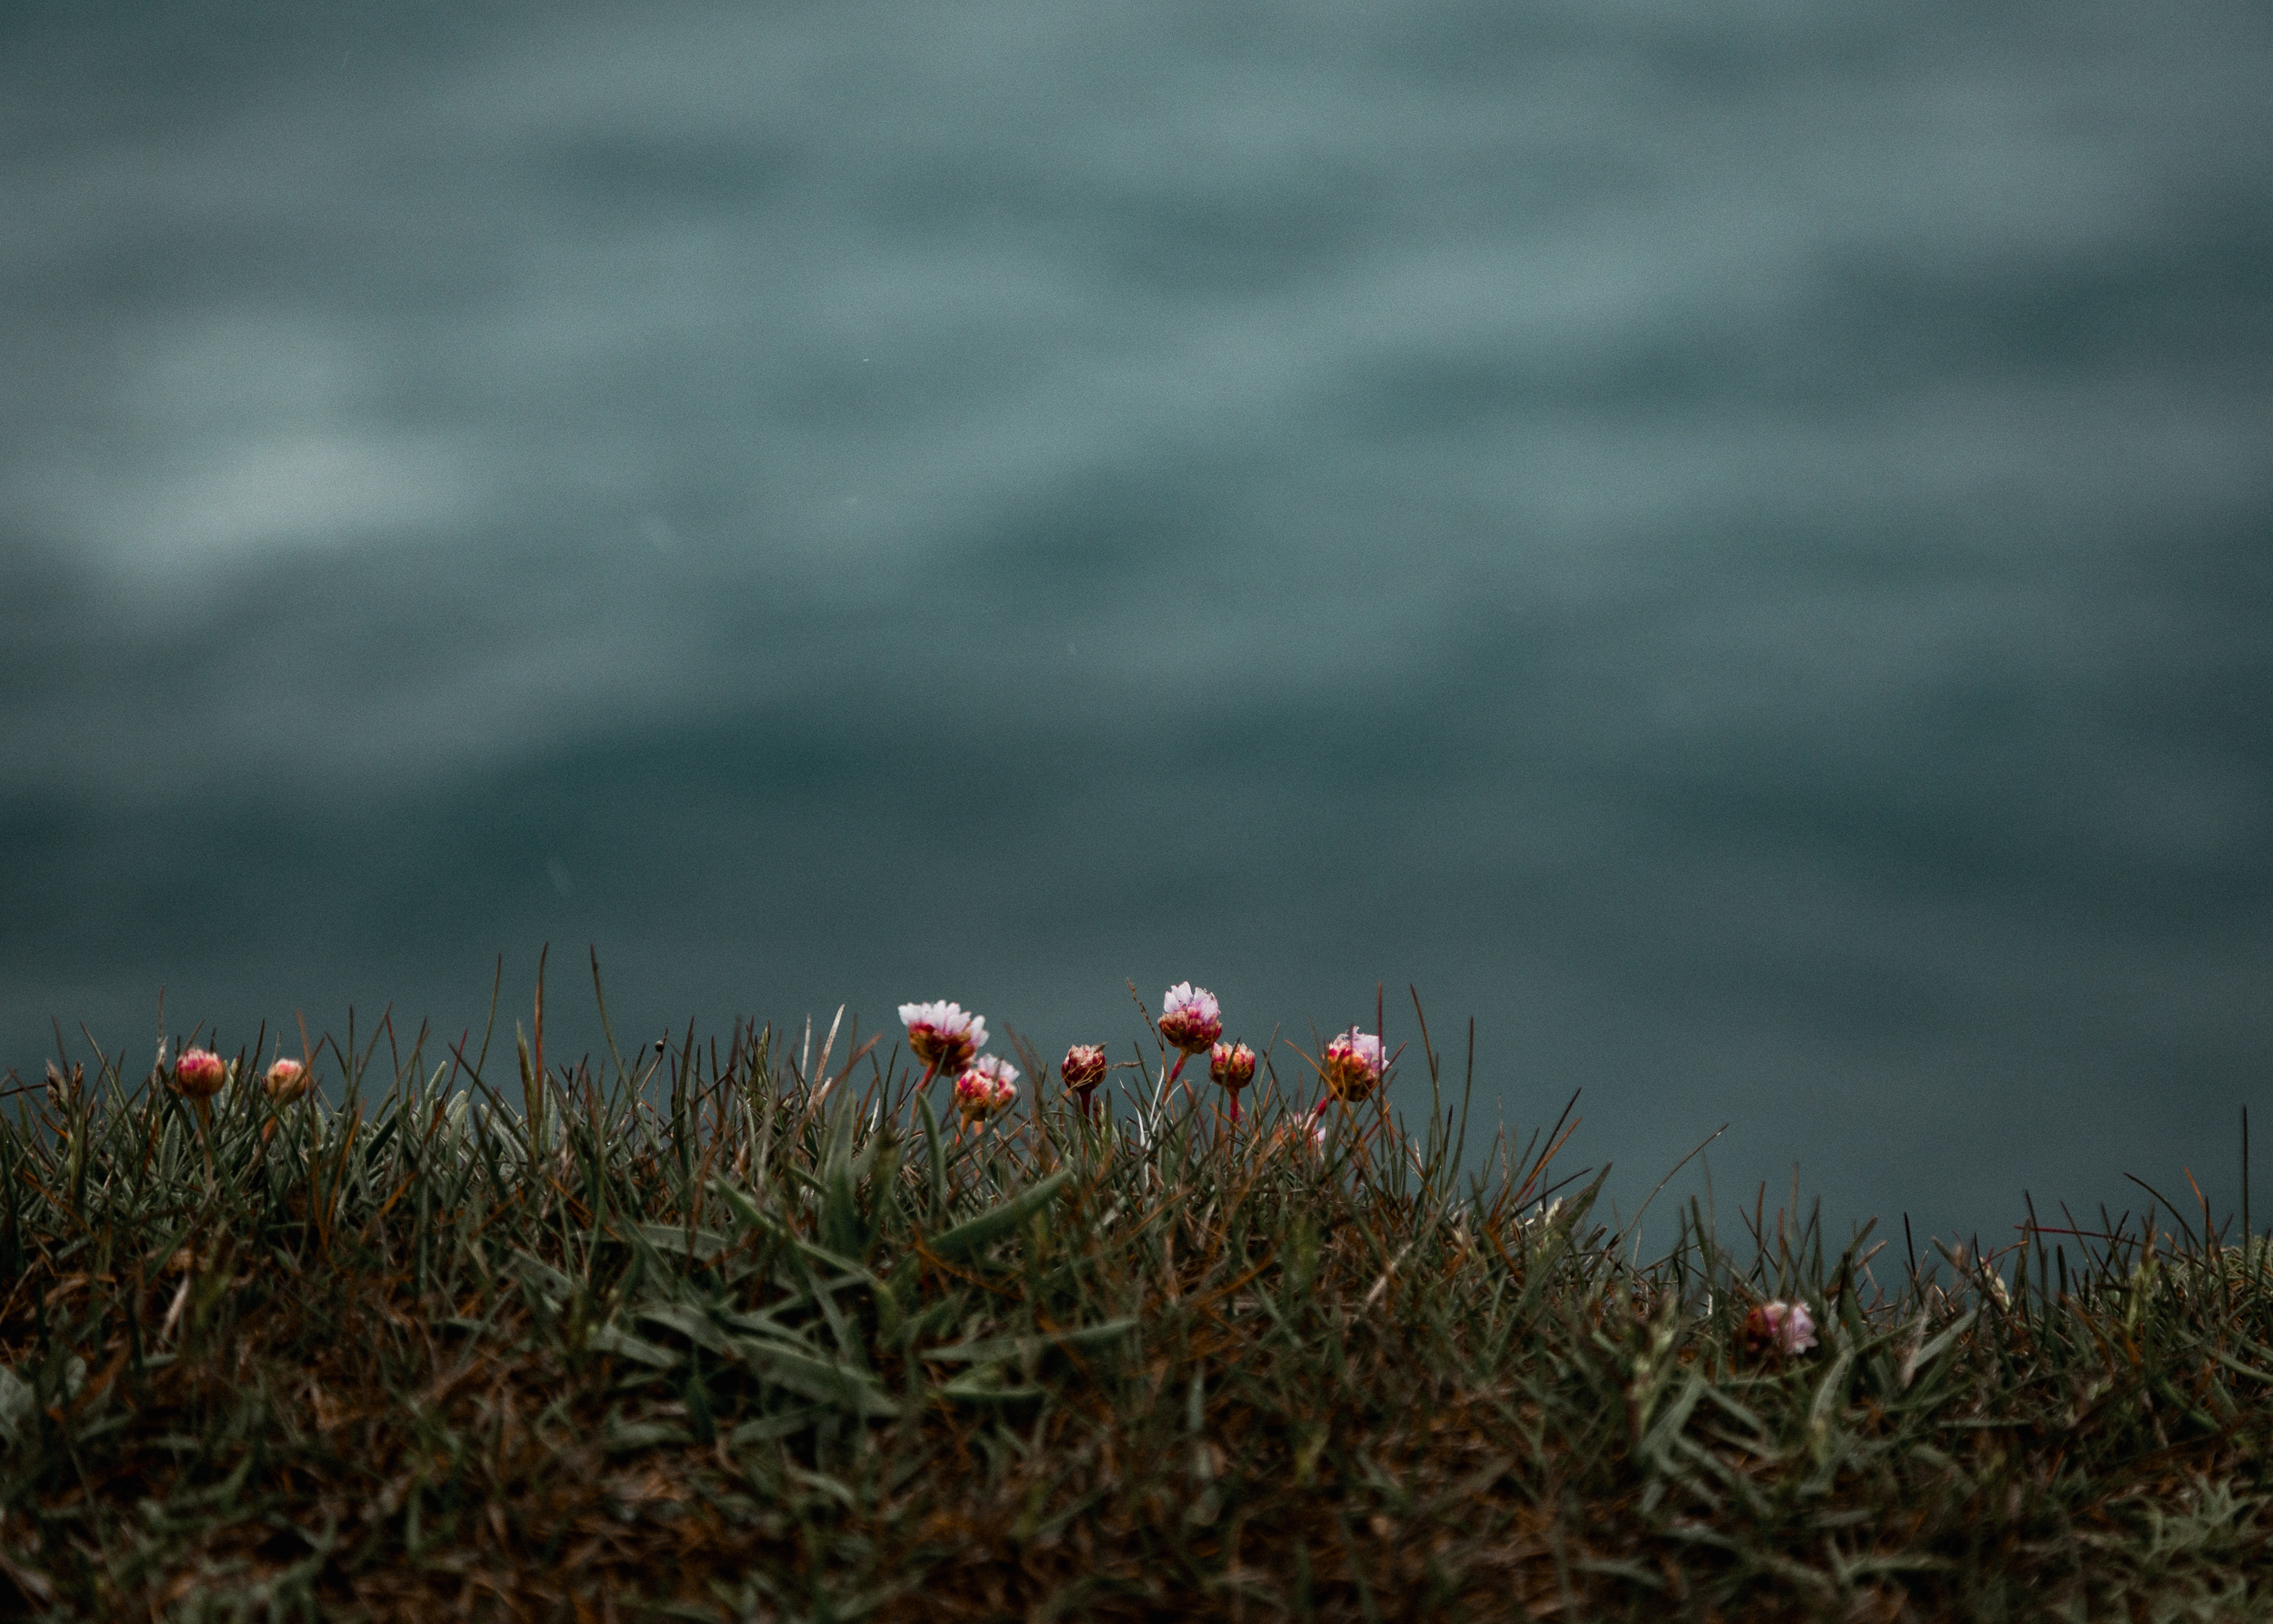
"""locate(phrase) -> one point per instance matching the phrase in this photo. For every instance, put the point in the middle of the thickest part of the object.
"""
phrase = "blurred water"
(1734, 546)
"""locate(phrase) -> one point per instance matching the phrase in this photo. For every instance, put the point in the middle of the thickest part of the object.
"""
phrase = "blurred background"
(1732, 544)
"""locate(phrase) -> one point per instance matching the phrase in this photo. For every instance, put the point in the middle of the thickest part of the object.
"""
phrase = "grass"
(740, 1331)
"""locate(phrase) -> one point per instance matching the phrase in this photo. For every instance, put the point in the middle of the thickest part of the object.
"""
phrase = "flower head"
(199, 1073)
(1082, 1069)
(1231, 1066)
(986, 1088)
(286, 1081)
(1352, 1066)
(1191, 1018)
(1779, 1327)
(943, 1037)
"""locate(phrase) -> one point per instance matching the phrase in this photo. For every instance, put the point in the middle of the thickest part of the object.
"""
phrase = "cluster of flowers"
(947, 1039)
(199, 1073)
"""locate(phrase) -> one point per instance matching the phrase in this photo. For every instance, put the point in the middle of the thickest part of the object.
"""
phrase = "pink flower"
(286, 1081)
(1781, 1327)
(943, 1037)
(1082, 1069)
(1352, 1070)
(1191, 1018)
(1231, 1066)
(985, 1089)
(199, 1073)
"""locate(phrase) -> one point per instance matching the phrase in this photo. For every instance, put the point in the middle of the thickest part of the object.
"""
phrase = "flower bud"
(1191, 1018)
(1082, 1069)
(1231, 1066)
(986, 1088)
(199, 1073)
(286, 1081)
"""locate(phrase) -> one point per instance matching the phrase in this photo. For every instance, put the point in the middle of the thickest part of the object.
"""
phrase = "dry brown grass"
(735, 1334)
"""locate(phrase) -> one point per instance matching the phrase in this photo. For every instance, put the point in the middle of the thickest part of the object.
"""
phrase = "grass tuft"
(741, 1331)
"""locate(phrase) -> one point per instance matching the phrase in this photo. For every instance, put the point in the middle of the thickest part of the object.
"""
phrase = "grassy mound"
(743, 1330)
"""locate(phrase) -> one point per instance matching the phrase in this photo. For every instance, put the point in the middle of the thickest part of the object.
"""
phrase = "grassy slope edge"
(732, 1332)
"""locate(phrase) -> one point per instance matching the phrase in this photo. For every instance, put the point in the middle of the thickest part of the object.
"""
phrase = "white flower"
(943, 1037)
(1191, 1018)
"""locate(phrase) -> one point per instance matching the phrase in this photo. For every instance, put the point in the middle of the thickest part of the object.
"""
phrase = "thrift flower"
(1781, 1327)
(286, 1081)
(1191, 1018)
(986, 1089)
(1082, 1069)
(1231, 1066)
(199, 1073)
(1352, 1066)
(943, 1037)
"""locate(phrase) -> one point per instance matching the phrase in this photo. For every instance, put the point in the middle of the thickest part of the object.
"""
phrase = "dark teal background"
(1733, 544)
